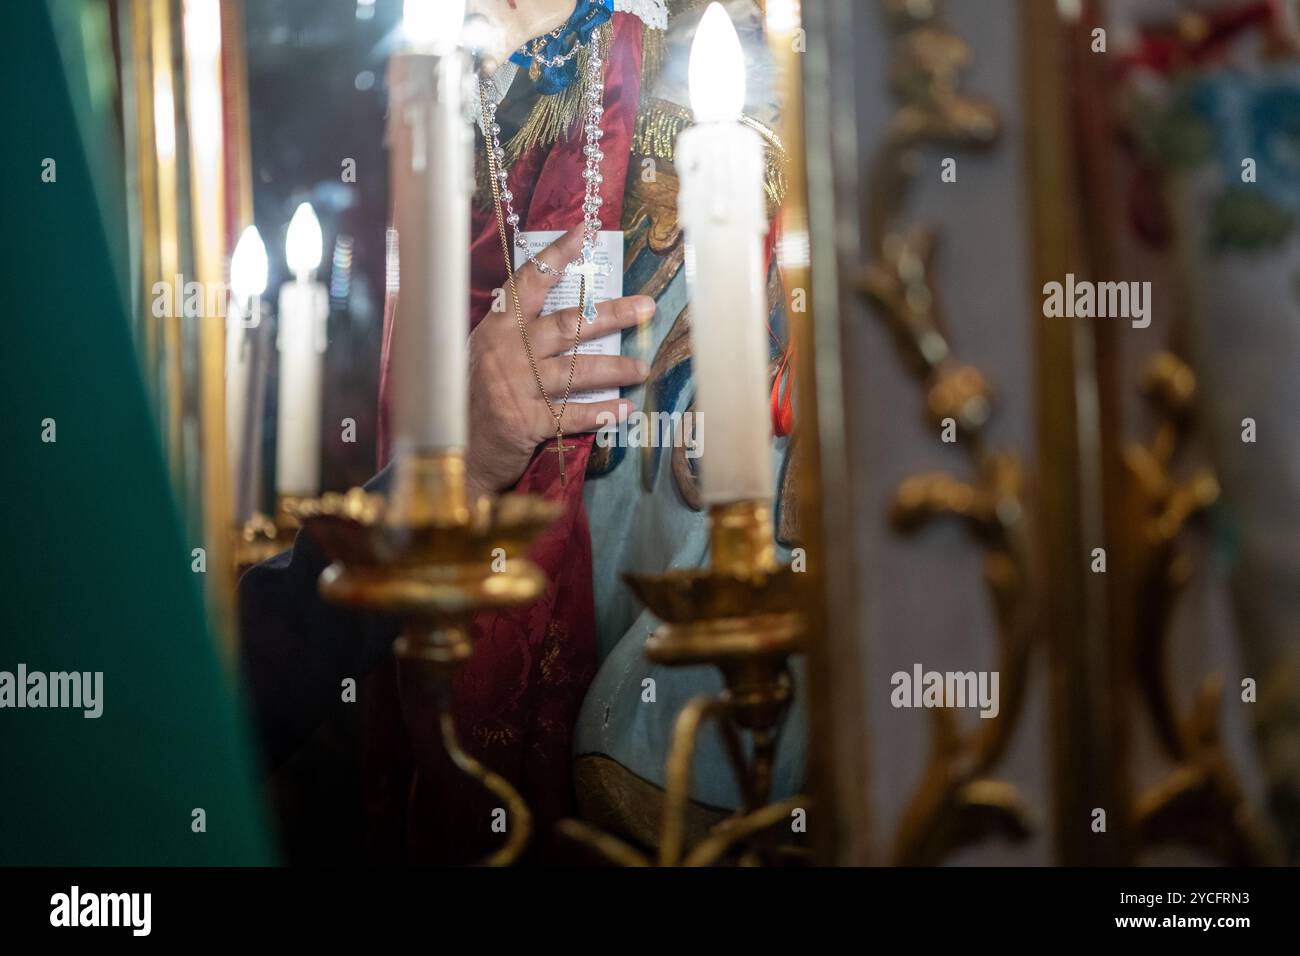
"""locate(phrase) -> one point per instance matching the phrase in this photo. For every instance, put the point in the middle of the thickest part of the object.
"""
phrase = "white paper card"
(608, 252)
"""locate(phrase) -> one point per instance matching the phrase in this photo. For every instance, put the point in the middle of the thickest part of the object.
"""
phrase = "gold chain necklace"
(558, 417)
(535, 48)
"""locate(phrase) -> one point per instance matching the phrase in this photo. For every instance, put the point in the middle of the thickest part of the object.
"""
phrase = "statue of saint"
(575, 138)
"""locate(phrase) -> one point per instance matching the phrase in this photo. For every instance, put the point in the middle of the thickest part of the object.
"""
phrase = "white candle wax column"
(248, 271)
(431, 161)
(304, 307)
(238, 379)
(721, 206)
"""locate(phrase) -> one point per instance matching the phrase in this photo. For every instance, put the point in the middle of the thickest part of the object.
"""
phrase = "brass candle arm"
(432, 558)
(262, 537)
(741, 615)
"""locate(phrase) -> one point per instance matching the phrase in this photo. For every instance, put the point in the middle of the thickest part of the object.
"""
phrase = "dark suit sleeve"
(296, 650)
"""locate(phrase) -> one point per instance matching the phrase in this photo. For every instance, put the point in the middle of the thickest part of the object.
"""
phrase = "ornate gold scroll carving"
(1200, 801)
(956, 803)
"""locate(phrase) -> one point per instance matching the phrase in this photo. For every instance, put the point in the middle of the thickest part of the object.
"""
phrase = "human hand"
(508, 418)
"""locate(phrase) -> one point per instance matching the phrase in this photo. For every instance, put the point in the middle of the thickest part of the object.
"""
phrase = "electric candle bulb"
(782, 16)
(248, 266)
(720, 204)
(303, 244)
(431, 177)
(433, 25)
(717, 68)
(202, 20)
(304, 307)
(248, 269)
(164, 120)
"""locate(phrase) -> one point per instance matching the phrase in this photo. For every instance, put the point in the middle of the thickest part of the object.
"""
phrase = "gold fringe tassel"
(659, 121)
(654, 50)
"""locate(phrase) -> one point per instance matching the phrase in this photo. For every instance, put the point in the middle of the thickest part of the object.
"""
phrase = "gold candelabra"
(741, 615)
(261, 537)
(432, 558)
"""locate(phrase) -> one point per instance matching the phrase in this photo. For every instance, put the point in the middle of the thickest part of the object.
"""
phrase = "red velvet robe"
(517, 698)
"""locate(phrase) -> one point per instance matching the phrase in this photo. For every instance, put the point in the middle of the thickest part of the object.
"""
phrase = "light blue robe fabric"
(650, 532)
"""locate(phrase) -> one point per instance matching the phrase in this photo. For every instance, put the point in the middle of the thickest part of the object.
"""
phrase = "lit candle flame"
(303, 244)
(717, 68)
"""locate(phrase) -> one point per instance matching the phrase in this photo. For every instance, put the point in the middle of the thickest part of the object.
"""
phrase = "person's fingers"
(533, 283)
(589, 416)
(553, 334)
(591, 371)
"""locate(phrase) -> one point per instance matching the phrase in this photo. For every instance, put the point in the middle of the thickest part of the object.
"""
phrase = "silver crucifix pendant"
(588, 268)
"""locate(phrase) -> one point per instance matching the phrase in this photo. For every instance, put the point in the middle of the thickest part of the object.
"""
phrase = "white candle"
(431, 155)
(721, 206)
(248, 269)
(304, 307)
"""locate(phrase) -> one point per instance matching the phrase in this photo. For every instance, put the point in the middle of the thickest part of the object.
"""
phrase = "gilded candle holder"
(430, 557)
(741, 615)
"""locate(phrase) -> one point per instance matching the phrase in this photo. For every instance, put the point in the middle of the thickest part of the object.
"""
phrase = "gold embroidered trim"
(554, 116)
(659, 121)
(654, 50)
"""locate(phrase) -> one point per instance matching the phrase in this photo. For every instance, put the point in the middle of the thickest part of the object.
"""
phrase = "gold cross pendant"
(559, 449)
(535, 68)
